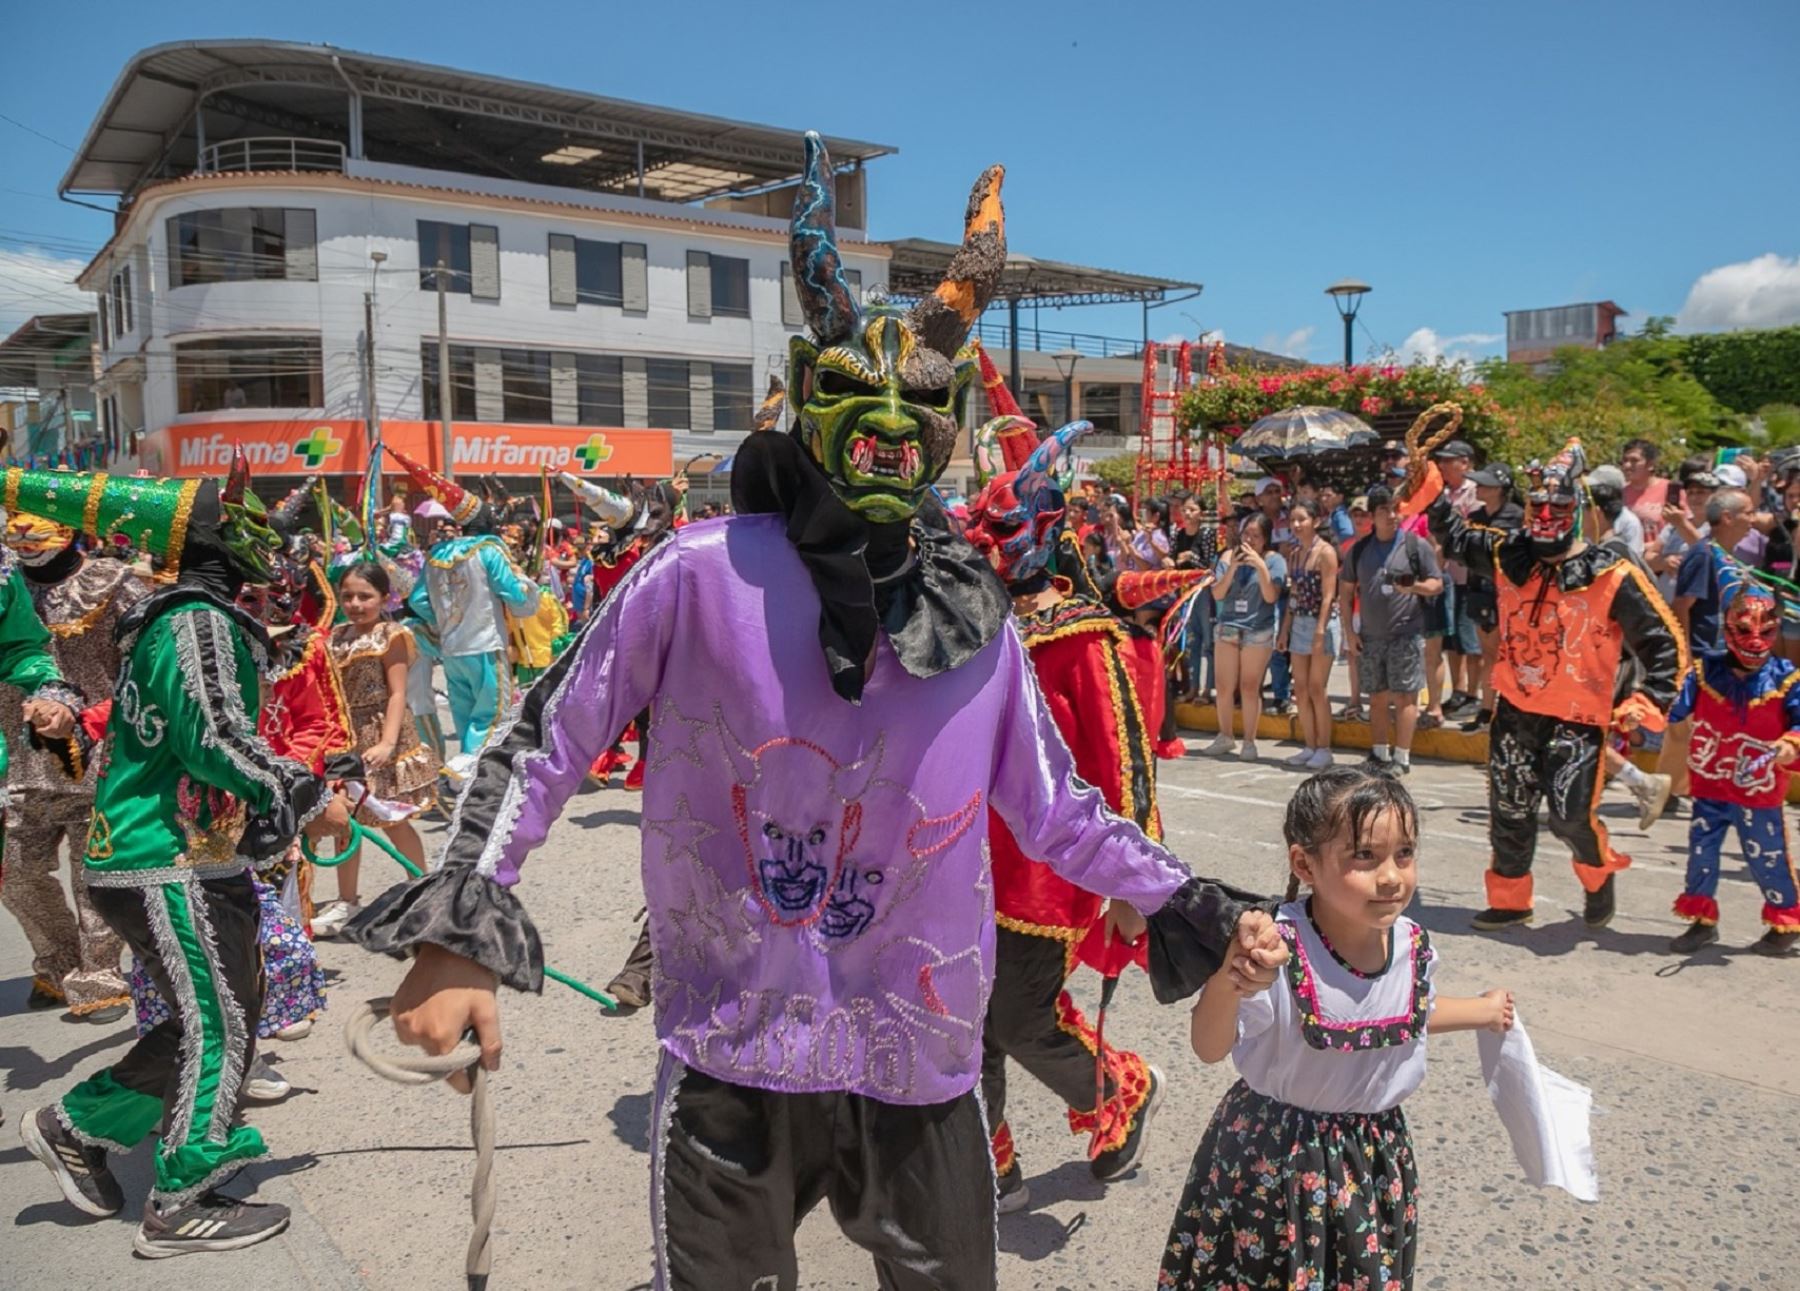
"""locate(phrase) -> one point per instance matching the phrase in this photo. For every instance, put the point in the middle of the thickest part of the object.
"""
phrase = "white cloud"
(37, 282)
(1764, 292)
(1424, 345)
(1294, 344)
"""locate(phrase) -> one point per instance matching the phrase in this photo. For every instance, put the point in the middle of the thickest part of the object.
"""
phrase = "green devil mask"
(880, 392)
(163, 517)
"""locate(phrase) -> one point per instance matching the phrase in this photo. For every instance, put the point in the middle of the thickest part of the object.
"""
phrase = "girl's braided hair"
(1324, 804)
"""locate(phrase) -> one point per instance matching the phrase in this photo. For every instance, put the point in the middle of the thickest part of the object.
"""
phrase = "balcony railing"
(998, 337)
(272, 153)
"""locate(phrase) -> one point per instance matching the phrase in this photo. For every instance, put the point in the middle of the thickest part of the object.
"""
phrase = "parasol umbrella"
(1294, 434)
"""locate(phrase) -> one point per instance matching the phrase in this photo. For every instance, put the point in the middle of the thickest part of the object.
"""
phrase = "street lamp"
(1347, 294)
(1065, 361)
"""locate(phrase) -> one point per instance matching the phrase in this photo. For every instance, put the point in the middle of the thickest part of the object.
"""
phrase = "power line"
(34, 130)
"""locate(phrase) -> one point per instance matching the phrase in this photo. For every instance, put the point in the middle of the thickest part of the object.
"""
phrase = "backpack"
(1410, 541)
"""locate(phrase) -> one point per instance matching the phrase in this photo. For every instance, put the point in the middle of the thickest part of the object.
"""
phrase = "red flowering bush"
(1234, 399)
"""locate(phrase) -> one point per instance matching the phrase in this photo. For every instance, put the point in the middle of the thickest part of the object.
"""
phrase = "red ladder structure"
(1165, 458)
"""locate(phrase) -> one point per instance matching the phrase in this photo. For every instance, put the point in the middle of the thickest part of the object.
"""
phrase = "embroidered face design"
(879, 392)
(1752, 622)
(799, 814)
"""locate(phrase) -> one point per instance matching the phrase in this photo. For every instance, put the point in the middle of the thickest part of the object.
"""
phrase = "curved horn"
(1038, 473)
(942, 320)
(993, 439)
(830, 309)
(239, 480)
(285, 518)
(612, 509)
(768, 415)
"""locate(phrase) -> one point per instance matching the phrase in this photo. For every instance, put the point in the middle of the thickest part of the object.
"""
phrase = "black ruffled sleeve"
(1191, 934)
(463, 911)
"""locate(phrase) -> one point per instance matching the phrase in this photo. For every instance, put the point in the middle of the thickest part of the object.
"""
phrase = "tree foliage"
(1748, 370)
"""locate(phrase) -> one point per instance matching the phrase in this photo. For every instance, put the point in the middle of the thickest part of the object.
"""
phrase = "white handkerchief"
(1546, 1115)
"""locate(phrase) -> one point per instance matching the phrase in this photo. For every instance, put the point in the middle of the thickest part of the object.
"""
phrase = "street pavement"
(1695, 1068)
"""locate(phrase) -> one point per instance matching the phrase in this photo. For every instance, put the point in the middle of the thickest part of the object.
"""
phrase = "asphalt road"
(1695, 1069)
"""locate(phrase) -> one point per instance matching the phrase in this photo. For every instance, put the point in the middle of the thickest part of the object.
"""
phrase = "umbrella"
(1303, 432)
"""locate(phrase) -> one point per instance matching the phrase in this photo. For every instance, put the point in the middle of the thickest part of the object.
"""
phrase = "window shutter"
(562, 269)
(484, 262)
(634, 277)
(490, 392)
(854, 278)
(637, 391)
(699, 269)
(565, 389)
(302, 243)
(700, 396)
(791, 315)
(172, 249)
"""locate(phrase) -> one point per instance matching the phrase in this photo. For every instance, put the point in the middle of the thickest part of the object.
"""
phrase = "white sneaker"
(1222, 747)
(1301, 759)
(298, 1031)
(1248, 752)
(329, 921)
(1321, 759)
(265, 1085)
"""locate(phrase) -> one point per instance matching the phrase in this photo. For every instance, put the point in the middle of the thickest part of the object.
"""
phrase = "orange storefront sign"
(341, 447)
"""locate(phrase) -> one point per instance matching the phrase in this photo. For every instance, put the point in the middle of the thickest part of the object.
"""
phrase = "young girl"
(374, 656)
(1305, 1177)
(1247, 582)
(1308, 632)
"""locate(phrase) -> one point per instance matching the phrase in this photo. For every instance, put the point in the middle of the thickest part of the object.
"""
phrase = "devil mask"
(1554, 500)
(879, 391)
(1752, 623)
(1015, 519)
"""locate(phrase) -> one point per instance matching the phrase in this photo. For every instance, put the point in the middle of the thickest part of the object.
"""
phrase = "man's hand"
(333, 822)
(442, 996)
(49, 718)
(1256, 959)
(1786, 752)
(1123, 919)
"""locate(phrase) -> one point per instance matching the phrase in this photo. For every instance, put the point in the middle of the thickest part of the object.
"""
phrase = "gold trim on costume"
(13, 476)
(184, 510)
(90, 513)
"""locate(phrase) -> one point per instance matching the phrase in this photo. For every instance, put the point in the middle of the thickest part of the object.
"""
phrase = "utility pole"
(443, 373)
(372, 409)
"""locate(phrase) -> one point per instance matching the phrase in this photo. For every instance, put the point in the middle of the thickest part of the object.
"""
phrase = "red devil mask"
(1752, 623)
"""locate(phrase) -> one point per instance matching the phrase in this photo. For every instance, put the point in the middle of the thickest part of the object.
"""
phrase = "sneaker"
(106, 1014)
(330, 919)
(1598, 911)
(1122, 1160)
(210, 1222)
(1697, 937)
(634, 778)
(1777, 944)
(1651, 799)
(1484, 717)
(1301, 759)
(80, 1169)
(1395, 768)
(1320, 760)
(1458, 704)
(296, 1031)
(1221, 747)
(1248, 752)
(1494, 919)
(264, 1084)
(1373, 763)
(1013, 1193)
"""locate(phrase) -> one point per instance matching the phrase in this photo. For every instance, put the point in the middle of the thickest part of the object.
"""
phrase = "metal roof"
(54, 335)
(918, 267)
(423, 115)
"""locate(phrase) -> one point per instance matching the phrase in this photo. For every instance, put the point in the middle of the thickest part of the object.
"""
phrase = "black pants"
(1533, 759)
(1023, 1023)
(736, 1169)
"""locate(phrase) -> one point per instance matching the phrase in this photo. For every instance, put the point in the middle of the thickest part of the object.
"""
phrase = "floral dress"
(1305, 1177)
(409, 780)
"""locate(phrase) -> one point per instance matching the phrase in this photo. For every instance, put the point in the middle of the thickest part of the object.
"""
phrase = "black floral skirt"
(1279, 1197)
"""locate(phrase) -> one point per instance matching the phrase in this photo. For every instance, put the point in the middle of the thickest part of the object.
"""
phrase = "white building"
(616, 275)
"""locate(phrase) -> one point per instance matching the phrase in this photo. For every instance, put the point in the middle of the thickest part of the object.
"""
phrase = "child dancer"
(1305, 1176)
(374, 656)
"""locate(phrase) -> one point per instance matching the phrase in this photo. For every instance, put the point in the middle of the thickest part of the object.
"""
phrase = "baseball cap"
(1702, 480)
(1607, 477)
(1394, 448)
(1360, 503)
(1456, 448)
(1495, 475)
(1267, 483)
(1731, 475)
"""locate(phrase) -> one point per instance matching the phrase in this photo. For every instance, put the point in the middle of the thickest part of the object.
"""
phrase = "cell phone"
(1674, 494)
(1405, 580)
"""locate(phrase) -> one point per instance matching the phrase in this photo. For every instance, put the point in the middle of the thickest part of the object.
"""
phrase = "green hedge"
(1746, 370)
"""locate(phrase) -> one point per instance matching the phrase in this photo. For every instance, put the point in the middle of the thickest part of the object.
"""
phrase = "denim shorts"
(1240, 637)
(1306, 629)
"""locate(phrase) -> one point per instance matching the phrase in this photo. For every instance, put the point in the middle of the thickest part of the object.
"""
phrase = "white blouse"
(1327, 1038)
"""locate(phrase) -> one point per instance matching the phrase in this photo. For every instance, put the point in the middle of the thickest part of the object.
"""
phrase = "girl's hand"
(379, 756)
(1502, 1002)
(1254, 558)
(1258, 953)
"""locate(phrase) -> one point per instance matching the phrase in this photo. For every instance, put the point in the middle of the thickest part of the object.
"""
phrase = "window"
(597, 278)
(525, 384)
(448, 245)
(242, 244)
(462, 381)
(668, 382)
(273, 371)
(600, 386)
(734, 400)
(121, 301)
(730, 287)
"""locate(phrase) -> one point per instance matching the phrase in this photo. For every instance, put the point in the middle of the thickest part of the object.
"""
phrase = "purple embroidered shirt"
(816, 871)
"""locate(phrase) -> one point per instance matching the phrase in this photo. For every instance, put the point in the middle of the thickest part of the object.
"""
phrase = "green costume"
(188, 797)
(25, 659)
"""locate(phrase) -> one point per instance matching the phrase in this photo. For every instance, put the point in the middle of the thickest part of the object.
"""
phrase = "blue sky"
(1464, 159)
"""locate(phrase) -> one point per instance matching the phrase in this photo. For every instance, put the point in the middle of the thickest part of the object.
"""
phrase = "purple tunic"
(816, 872)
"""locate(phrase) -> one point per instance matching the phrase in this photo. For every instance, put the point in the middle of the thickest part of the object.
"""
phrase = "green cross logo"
(319, 446)
(595, 451)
